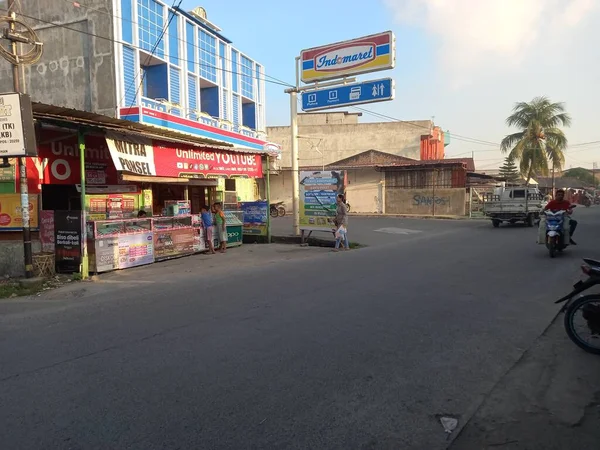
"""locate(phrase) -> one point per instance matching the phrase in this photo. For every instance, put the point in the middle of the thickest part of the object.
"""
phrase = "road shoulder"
(550, 399)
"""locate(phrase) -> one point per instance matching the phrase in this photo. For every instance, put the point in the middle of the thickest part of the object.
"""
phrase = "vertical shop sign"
(67, 241)
(318, 193)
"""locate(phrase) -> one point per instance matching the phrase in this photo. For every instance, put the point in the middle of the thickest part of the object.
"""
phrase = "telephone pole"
(17, 38)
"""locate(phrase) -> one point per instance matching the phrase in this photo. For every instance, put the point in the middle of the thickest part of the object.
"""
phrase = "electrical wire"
(33, 55)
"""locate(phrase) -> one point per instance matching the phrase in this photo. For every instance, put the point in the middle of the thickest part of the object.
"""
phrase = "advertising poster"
(172, 243)
(104, 254)
(199, 240)
(11, 218)
(47, 230)
(256, 216)
(318, 193)
(136, 250)
(67, 241)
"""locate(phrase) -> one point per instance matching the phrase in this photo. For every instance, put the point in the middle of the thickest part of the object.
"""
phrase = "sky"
(464, 63)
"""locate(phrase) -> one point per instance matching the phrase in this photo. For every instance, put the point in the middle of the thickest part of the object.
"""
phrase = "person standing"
(341, 223)
(207, 221)
(221, 227)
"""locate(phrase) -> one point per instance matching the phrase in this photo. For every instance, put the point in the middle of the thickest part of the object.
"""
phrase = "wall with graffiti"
(426, 202)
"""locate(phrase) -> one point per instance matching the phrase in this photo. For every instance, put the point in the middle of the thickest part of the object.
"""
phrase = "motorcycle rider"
(560, 204)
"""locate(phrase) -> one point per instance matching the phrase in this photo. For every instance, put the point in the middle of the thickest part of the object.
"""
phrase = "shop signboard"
(11, 217)
(17, 133)
(67, 241)
(182, 161)
(363, 55)
(173, 243)
(234, 235)
(318, 193)
(131, 154)
(47, 230)
(7, 174)
(104, 254)
(136, 249)
(256, 216)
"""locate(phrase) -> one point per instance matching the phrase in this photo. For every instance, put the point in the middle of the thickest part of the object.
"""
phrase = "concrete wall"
(281, 189)
(76, 70)
(364, 190)
(423, 202)
(11, 257)
(341, 140)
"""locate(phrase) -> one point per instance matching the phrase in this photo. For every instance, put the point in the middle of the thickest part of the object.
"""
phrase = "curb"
(416, 216)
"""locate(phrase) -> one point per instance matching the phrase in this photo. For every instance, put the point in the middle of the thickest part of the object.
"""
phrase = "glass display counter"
(119, 244)
(235, 227)
(173, 237)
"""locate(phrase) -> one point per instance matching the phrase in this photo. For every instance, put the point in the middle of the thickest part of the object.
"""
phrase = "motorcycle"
(277, 209)
(587, 305)
(555, 239)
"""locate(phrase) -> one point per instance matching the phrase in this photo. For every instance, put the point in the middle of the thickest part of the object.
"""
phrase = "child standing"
(207, 221)
(221, 227)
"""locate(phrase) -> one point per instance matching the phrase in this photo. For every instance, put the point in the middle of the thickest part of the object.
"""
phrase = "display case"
(173, 237)
(235, 227)
(199, 234)
(119, 244)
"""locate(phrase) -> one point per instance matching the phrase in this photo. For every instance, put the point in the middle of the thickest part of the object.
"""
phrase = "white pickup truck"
(507, 204)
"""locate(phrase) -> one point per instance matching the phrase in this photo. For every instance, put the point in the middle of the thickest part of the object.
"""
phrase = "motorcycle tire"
(347, 207)
(274, 212)
(280, 211)
(570, 328)
(552, 248)
(495, 223)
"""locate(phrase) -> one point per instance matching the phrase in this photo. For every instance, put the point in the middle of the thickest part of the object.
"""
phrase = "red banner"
(172, 160)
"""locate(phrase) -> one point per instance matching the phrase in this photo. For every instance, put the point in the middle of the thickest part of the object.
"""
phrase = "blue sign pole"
(350, 94)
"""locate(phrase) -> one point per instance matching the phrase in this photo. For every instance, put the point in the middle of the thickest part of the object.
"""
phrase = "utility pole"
(594, 167)
(16, 61)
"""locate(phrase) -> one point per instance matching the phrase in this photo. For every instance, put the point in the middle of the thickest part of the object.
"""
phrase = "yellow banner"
(10, 212)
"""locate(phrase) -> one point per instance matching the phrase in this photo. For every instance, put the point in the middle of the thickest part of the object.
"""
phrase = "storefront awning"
(169, 180)
(67, 117)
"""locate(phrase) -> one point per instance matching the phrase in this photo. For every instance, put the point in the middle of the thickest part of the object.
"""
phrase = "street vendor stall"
(234, 221)
(119, 244)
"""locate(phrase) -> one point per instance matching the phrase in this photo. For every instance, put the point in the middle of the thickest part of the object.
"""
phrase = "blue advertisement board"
(256, 216)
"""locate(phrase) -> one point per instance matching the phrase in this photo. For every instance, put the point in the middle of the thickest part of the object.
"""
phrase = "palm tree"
(540, 140)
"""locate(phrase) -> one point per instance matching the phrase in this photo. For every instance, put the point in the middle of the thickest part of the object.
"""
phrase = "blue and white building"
(177, 69)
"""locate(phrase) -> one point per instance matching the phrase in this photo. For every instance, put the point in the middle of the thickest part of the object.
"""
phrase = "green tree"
(539, 142)
(509, 170)
(581, 174)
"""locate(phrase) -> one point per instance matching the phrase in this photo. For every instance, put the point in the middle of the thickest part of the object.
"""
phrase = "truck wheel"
(530, 220)
(495, 223)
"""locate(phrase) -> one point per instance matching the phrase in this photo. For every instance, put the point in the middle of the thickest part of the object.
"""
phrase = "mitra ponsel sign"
(17, 134)
(363, 55)
(132, 154)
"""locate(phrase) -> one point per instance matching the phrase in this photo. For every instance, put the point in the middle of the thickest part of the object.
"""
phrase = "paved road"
(362, 349)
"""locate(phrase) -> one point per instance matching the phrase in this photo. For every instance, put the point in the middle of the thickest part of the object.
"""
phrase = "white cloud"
(476, 36)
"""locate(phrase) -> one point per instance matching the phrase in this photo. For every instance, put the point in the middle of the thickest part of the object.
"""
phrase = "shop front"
(143, 196)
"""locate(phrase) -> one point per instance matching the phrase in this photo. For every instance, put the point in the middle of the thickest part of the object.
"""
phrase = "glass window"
(247, 78)
(208, 56)
(191, 51)
(150, 27)
(223, 57)
(234, 71)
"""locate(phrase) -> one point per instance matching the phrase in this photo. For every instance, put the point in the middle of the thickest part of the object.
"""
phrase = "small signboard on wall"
(17, 133)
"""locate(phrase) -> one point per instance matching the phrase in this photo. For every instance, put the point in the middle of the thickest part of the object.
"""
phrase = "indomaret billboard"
(362, 55)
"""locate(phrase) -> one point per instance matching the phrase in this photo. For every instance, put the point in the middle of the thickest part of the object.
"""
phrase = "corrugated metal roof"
(61, 116)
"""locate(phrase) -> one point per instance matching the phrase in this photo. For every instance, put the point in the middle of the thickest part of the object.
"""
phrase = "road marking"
(393, 230)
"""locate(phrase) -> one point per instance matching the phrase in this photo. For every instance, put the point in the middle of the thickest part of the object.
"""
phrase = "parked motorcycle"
(555, 239)
(277, 209)
(588, 306)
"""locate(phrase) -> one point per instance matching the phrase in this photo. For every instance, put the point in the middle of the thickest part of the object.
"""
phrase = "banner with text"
(131, 154)
(318, 193)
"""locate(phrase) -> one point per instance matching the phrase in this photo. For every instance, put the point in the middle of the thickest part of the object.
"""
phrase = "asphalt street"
(351, 350)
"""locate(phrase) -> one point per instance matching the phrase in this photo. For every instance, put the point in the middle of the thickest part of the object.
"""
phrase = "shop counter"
(119, 244)
(235, 228)
(173, 237)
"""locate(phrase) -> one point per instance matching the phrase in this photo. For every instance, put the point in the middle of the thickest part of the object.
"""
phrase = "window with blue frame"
(191, 48)
(234, 71)
(258, 81)
(223, 57)
(150, 30)
(247, 78)
(208, 56)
